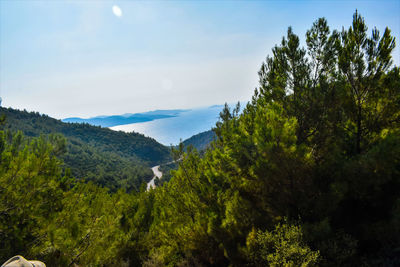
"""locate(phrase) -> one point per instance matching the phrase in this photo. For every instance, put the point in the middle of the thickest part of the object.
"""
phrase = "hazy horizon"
(90, 58)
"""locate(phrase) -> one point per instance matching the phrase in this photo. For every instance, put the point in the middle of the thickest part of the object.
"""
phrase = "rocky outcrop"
(19, 261)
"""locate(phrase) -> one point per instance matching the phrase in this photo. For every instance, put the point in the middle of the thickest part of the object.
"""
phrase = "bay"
(169, 131)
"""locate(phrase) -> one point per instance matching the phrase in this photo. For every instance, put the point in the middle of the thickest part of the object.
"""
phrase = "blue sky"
(77, 58)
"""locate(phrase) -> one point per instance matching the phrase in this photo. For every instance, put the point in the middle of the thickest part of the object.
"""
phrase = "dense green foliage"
(284, 246)
(307, 175)
(319, 145)
(108, 158)
(49, 215)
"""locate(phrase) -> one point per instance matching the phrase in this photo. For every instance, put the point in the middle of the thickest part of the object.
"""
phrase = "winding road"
(157, 173)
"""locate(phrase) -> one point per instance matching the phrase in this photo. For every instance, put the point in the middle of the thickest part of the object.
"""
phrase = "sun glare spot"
(117, 11)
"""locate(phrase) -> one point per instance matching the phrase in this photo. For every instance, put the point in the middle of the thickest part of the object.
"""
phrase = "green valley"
(108, 158)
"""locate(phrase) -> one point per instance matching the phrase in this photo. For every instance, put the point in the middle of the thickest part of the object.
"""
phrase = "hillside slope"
(201, 140)
(109, 158)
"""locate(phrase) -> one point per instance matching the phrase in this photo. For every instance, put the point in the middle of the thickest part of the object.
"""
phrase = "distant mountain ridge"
(127, 118)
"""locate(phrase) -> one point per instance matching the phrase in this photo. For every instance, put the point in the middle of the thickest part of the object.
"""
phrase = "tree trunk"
(359, 118)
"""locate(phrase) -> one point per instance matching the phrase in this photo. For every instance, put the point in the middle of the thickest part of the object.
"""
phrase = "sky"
(82, 58)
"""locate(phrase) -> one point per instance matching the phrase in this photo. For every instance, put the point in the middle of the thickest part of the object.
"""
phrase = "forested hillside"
(308, 174)
(200, 141)
(109, 158)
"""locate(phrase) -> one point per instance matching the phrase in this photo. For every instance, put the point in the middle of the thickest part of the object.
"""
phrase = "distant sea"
(169, 131)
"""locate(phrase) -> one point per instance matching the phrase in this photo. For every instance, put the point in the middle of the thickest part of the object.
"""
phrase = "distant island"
(128, 118)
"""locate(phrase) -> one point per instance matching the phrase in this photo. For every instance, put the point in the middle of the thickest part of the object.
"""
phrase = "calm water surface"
(171, 130)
